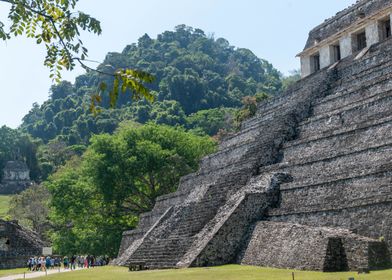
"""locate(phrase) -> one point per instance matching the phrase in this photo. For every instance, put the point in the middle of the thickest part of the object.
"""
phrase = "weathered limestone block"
(346, 46)
(373, 33)
(326, 55)
(372, 134)
(367, 220)
(296, 246)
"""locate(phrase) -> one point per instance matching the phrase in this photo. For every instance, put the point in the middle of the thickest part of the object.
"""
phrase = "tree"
(249, 107)
(31, 209)
(212, 121)
(293, 77)
(57, 25)
(99, 195)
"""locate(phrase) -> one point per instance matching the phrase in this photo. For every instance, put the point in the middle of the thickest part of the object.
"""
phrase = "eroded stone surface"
(17, 245)
(296, 246)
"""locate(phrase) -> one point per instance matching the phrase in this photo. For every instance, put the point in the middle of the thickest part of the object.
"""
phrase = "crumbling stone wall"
(317, 248)
(17, 245)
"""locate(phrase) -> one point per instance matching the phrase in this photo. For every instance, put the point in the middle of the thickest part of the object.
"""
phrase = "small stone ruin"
(17, 245)
(16, 177)
(307, 182)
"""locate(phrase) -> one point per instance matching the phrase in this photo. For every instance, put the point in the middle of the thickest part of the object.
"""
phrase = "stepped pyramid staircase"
(313, 166)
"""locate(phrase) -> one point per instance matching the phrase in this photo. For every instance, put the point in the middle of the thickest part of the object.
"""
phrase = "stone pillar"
(326, 54)
(390, 16)
(346, 46)
(305, 66)
(373, 33)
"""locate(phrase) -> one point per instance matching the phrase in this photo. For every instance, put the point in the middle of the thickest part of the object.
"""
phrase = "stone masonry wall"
(296, 246)
(344, 19)
(17, 245)
(222, 238)
(341, 161)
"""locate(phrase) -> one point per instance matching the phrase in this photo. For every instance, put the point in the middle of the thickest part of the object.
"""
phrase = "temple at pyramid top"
(353, 30)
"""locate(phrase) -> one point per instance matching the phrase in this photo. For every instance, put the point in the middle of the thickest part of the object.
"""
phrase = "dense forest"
(96, 173)
(193, 72)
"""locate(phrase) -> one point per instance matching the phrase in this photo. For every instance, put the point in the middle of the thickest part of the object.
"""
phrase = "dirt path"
(29, 275)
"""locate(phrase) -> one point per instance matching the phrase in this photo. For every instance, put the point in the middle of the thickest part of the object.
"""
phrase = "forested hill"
(193, 72)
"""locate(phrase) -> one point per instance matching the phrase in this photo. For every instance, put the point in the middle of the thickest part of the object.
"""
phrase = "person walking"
(47, 262)
(43, 264)
(86, 262)
(73, 262)
(30, 264)
(65, 262)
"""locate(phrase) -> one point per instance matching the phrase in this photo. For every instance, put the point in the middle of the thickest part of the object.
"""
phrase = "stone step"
(374, 108)
(246, 135)
(203, 177)
(350, 192)
(356, 86)
(349, 98)
(376, 60)
(272, 131)
(286, 101)
(346, 140)
(230, 156)
(353, 217)
(344, 97)
(350, 165)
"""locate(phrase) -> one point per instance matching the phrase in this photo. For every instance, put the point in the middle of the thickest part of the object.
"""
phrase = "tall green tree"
(101, 194)
(30, 208)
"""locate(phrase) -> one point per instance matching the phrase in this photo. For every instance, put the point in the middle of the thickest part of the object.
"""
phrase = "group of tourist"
(45, 263)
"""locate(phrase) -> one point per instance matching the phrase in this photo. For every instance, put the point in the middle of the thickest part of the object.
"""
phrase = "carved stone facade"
(306, 183)
(17, 245)
(351, 31)
(16, 177)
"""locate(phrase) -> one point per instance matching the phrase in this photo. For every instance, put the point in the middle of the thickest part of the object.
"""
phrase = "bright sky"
(275, 30)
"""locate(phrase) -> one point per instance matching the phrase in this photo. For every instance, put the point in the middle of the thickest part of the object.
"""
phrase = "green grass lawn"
(229, 272)
(4, 204)
(6, 272)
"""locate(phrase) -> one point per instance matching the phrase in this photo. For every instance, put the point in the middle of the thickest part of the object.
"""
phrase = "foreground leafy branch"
(57, 25)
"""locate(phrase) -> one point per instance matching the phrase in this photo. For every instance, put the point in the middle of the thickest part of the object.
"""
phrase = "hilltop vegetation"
(193, 72)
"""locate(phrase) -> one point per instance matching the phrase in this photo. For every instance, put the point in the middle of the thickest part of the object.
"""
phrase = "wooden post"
(292, 274)
(24, 275)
